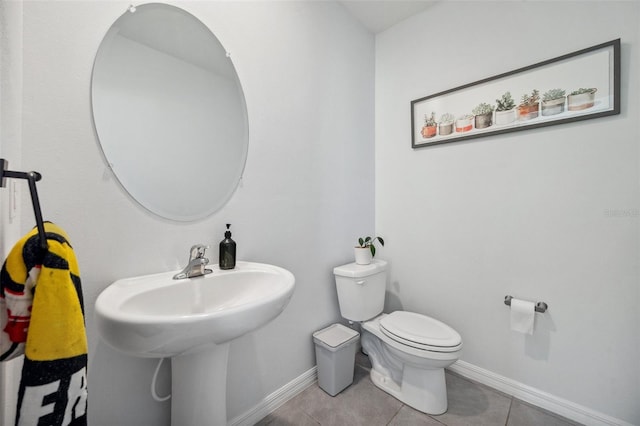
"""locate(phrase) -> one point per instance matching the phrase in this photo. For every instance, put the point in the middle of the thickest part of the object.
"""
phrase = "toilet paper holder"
(540, 306)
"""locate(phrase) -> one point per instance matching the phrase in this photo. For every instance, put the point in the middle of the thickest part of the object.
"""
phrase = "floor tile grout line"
(437, 420)
(506, 422)
(395, 415)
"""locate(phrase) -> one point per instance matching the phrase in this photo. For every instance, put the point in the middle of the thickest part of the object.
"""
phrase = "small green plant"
(530, 100)
(368, 242)
(447, 118)
(552, 94)
(482, 109)
(430, 121)
(505, 103)
(584, 90)
(465, 117)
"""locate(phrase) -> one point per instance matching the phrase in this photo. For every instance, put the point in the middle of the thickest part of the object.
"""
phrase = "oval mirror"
(169, 112)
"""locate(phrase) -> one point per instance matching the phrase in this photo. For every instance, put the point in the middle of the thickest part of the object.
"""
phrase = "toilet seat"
(420, 332)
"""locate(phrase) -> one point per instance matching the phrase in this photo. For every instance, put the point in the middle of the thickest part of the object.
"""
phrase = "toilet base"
(413, 376)
(422, 389)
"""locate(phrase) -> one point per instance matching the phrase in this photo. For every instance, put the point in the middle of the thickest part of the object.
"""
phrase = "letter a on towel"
(42, 316)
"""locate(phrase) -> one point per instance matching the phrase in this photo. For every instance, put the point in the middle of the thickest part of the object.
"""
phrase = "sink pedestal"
(199, 386)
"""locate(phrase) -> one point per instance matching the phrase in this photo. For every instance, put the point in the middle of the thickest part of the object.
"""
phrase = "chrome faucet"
(196, 265)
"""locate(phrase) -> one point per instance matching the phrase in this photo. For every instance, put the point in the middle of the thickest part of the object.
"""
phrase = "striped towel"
(42, 316)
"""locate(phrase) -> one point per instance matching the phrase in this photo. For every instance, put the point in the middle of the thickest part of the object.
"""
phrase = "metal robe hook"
(31, 178)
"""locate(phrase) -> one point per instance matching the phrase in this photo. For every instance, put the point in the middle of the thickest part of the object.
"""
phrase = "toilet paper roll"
(522, 316)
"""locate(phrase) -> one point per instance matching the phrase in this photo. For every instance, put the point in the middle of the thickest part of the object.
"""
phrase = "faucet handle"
(197, 251)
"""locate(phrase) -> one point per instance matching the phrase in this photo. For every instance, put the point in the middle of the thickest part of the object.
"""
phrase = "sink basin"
(157, 316)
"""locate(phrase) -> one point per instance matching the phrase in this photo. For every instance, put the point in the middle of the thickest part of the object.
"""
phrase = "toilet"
(408, 351)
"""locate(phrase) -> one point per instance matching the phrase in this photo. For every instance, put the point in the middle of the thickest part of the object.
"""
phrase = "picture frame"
(577, 86)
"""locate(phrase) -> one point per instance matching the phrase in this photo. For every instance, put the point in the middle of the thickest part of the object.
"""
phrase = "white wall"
(308, 75)
(10, 134)
(10, 110)
(523, 214)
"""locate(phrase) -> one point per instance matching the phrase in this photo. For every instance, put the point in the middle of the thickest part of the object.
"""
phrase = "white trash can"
(335, 357)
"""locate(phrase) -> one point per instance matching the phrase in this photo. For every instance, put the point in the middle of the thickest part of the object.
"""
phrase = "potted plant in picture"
(505, 110)
(366, 250)
(464, 123)
(553, 102)
(430, 126)
(529, 105)
(582, 98)
(445, 126)
(483, 115)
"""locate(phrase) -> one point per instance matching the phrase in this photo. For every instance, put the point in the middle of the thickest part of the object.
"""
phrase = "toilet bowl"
(414, 372)
(408, 351)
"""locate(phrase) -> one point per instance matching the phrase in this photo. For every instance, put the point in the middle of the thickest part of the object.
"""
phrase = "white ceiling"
(377, 16)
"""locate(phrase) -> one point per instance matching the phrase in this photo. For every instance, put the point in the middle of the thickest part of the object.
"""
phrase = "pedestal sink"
(192, 320)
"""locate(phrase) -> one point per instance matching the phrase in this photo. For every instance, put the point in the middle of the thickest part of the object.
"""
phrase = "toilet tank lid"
(354, 270)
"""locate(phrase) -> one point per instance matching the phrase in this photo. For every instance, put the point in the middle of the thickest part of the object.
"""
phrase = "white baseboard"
(536, 397)
(272, 402)
(554, 404)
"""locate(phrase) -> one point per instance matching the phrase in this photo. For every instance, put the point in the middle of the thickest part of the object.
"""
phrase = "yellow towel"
(41, 309)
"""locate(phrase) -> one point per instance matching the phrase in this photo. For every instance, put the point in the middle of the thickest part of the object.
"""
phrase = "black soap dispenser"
(227, 258)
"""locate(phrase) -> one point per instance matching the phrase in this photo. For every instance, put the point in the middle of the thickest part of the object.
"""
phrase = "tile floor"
(363, 403)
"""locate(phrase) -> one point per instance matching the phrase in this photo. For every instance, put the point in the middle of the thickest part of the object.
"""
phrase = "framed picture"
(577, 86)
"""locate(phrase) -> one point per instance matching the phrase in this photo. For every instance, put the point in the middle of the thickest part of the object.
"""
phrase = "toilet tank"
(361, 289)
